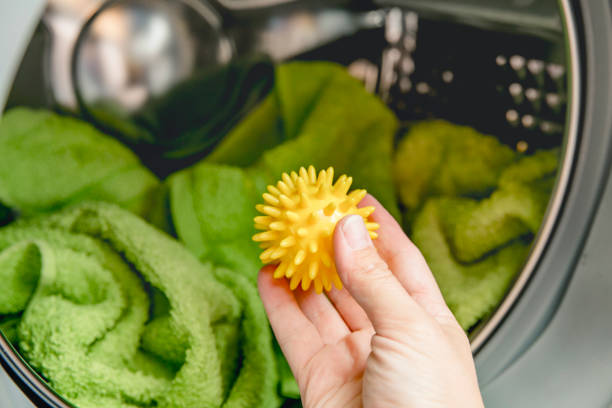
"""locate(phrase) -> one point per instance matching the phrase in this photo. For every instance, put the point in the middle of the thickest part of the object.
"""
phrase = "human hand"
(386, 340)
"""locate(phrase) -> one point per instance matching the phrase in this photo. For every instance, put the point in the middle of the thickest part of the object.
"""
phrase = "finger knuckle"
(368, 263)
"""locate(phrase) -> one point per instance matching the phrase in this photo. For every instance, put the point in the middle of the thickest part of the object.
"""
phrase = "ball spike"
(292, 216)
(270, 199)
(330, 176)
(365, 212)
(265, 255)
(321, 178)
(273, 190)
(306, 282)
(326, 259)
(337, 281)
(288, 242)
(287, 179)
(318, 286)
(279, 272)
(372, 226)
(278, 253)
(265, 236)
(313, 269)
(283, 188)
(330, 209)
(346, 204)
(304, 201)
(263, 219)
(325, 281)
(287, 202)
(290, 270)
(299, 257)
(271, 211)
(357, 195)
(312, 174)
(277, 226)
(304, 174)
(295, 281)
(339, 184)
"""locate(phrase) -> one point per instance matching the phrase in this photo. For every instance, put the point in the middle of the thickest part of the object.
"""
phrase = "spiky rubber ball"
(300, 214)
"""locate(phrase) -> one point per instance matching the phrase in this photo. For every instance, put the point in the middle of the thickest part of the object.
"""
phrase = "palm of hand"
(419, 356)
(334, 374)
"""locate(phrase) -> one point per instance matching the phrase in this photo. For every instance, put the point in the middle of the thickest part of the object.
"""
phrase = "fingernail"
(355, 232)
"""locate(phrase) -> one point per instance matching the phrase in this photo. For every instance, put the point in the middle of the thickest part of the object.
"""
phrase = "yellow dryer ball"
(300, 214)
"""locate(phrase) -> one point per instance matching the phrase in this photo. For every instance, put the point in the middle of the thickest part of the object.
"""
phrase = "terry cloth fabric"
(473, 210)
(317, 114)
(114, 313)
(51, 161)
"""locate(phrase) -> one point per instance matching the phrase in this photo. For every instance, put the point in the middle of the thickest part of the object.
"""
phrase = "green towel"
(476, 228)
(317, 114)
(471, 290)
(438, 158)
(50, 161)
(114, 313)
(472, 210)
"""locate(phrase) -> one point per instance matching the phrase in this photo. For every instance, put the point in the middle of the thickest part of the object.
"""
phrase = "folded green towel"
(50, 161)
(470, 290)
(472, 210)
(438, 158)
(114, 313)
(475, 228)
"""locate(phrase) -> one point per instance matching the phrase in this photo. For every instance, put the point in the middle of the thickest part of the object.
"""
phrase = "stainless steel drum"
(536, 72)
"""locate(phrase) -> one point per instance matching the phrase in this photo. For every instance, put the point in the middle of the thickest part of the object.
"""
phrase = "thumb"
(369, 280)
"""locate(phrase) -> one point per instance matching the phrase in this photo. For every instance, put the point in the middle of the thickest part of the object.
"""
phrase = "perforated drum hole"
(512, 117)
(423, 88)
(409, 43)
(448, 76)
(550, 128)
(407, 65)
(515, 89)
(553, 100)
(501, 60)
(522, 146)
(555, 71)
(405, 84)
(535, 66)
(517, 62)
(528, 121)
(532, 94)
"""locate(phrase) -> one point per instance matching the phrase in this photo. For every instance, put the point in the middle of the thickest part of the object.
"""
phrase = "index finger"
(406, 261)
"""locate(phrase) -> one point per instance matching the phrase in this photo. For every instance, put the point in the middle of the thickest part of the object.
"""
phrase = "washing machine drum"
(520, 70)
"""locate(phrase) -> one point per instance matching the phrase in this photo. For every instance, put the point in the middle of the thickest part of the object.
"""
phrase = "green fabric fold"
(51, 161)
(317, 114)
(114, 313)
(472, 207)
(438, 158)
